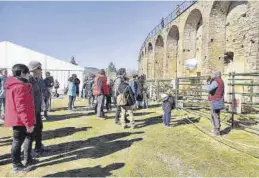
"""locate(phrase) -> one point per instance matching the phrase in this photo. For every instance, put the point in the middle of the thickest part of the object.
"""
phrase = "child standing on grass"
(168, 105)
(20, 114)
(71, 93)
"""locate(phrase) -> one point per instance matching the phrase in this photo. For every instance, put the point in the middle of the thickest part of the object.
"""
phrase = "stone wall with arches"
(205, 31)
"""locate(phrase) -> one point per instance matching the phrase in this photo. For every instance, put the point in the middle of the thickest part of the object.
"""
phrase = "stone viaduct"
(204, 30)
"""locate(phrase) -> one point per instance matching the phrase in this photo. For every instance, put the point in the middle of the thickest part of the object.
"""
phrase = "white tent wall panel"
(11, 54)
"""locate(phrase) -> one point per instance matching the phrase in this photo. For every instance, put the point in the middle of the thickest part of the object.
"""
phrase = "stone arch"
(172, 52)
(150, 60)
(192, 43)
(159, 57)
(227, 33)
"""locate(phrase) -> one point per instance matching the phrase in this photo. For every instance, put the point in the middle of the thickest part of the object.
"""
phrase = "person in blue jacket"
(71, 93)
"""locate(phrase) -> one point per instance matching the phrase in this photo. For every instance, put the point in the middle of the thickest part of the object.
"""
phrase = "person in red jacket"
(20, 115)
(100, 90)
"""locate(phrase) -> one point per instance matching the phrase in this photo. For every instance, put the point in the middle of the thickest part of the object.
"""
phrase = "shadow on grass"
(4, 141)
(135, 114)
(62, 132)
(226, 131)
(95, 147)
(154, 106)
(96, 171)
(149, 121)
(66, 108)
(2, 138)
(185, 121)
(65, 116)
(142, 113)
(5, 159)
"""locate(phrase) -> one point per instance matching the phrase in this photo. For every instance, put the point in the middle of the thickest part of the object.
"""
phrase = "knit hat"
(33, 65)
(102, 72)
(164, 96)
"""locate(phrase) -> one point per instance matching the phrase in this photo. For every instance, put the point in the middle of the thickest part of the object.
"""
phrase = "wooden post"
(233, 98)
(176, 91)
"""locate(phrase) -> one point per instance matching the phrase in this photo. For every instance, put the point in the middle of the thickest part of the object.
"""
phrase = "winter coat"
(2, 82)
(77, 83)
(89, 86)
(49, 82)
(20, 110)
(134, 86)
(110, 86)
(56, 85)
(71, 89)
(116, 83)
(128, 92)
(37, 92)
(139, 92)
(216, 93)
(45, 90)
(100, 85)
(168, 104)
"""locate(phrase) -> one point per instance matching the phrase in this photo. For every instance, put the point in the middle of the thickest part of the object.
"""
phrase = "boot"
(216, 132)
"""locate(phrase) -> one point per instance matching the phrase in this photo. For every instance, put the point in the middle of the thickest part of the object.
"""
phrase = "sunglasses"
(39, 68)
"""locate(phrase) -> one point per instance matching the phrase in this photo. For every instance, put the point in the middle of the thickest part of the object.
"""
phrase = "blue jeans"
(2, 105)
(145, 103)
(167, 118)
(71, 102)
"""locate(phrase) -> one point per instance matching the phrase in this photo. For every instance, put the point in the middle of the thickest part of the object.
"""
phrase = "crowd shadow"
(65, 108)
(5, 159)
(53, 118)
(4, 141)
(96, 171)
(93, 148)
(185, 121)
(154, 106)
(2, 138)
(148, 122)
(143, 113)
(62, 132)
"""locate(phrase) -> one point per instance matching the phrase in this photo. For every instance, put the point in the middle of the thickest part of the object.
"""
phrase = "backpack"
(121, 98)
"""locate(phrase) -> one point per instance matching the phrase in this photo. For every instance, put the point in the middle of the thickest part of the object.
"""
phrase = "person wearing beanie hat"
(36, 81)
(34, 65)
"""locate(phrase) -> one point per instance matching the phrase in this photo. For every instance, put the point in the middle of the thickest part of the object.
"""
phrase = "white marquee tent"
(11, 54)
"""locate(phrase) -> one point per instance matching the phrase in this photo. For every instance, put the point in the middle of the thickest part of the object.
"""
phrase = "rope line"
(221, 138)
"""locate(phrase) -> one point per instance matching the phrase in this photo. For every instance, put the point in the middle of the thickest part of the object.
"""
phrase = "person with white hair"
(167, 106)
(216, 96)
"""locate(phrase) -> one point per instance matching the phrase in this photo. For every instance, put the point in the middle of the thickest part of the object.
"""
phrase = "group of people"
(24, 94)
(27, 95)
(98, 87)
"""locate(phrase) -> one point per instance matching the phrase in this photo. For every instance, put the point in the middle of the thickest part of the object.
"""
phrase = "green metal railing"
(189, 92)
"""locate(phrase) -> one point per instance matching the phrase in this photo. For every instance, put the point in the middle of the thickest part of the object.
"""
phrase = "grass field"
(81, 145)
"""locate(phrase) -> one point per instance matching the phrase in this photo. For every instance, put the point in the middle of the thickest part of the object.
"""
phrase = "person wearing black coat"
(125, 88)
(89, 89)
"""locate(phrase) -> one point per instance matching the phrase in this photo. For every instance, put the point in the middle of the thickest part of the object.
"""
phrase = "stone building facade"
(205, 31)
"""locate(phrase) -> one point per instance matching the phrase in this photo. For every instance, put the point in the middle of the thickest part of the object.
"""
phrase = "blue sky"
(94, 32)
